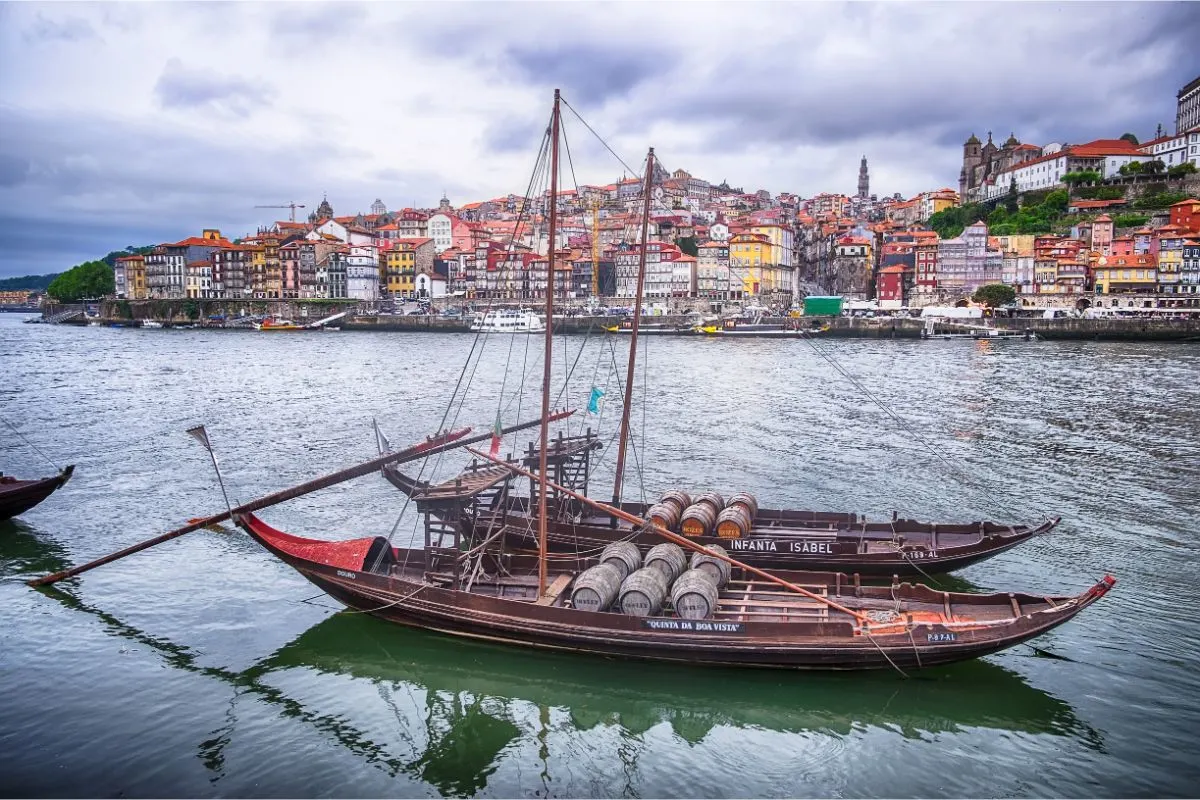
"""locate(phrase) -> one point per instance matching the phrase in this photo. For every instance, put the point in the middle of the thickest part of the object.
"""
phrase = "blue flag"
(594, 402)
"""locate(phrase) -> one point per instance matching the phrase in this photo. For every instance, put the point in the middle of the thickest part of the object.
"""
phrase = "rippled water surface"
(205, 667)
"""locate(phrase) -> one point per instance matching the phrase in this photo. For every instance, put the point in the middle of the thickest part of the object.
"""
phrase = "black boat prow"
(17, 496)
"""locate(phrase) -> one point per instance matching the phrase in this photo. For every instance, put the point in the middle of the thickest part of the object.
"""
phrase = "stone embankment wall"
(199, 311)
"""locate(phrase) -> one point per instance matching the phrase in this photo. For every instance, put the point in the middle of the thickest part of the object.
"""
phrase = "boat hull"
(403, 598)
(18, 497)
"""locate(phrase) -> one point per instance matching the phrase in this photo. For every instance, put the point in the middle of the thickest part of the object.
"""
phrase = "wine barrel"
(699, 518)
(694, 595)
(677, 497)
(664, 514)
(596, 588)
(714, 567)
(667, 558)
(643, 592)
(733, 522)
(624, 556)
(717, 501)
(746, 500)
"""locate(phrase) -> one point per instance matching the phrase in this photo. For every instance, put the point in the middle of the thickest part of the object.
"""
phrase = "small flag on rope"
(594, 402)
(201, 436)
(497, 436)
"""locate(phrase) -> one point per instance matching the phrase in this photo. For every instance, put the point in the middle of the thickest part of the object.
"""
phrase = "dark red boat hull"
(18, 497)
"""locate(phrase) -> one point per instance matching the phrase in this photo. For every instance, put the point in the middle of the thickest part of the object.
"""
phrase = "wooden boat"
(786, 539)
(721, 611)
(908, 626)
(17, 496)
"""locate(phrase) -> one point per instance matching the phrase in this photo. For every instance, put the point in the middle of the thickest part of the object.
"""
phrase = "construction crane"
(292, 206)
(595, 206)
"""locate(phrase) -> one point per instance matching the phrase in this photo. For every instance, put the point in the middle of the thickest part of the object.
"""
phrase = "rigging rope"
(31, 444)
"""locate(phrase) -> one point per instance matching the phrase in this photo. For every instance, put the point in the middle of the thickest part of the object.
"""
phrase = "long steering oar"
(676, 538)
(431, 446)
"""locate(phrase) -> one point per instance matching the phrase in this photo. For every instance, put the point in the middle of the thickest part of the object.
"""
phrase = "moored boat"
(18, 496)
(507, 320)
(768, 538)
(752, 623)
(272, 324)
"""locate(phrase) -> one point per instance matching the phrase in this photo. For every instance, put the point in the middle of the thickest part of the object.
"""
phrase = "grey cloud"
(120, 183)
(589, 72)
(68, 29)
(188, 89)
(314, 24)
(13, 170)
(514, 135)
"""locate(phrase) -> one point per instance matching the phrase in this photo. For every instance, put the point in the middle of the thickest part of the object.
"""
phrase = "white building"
(441, 230)
(362, 273)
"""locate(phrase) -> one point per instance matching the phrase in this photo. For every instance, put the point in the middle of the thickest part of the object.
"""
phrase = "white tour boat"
(507, 320)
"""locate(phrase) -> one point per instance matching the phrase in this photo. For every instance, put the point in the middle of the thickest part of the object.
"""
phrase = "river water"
(205, 667)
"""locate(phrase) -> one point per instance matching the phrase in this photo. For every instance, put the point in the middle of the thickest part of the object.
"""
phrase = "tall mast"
(637, 318)
(546, 362)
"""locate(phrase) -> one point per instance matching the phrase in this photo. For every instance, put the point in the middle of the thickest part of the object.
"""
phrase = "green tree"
(90, 279)
(994, 295)
(1132, 168)
(1179, 170)
(1056, 201)
(34, 283)
(1130, 220)
(689, 245)
(1010, 201)
(1081, 176)
(1129, 137)
(1155, 167)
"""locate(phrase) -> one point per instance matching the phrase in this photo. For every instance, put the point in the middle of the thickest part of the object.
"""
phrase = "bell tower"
(864, 180)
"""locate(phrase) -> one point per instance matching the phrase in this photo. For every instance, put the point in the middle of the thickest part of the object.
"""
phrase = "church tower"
(378, 208)
(864, 180)
(971, 159)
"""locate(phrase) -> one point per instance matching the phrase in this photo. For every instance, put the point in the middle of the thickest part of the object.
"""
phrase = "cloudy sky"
(133, 124)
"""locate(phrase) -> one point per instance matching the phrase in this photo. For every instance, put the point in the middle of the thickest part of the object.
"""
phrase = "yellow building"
(135, 277)
(1126, 274)
(399, 266)
(398, 269)
(748, 252)
(1018, 243)
(1170, 262)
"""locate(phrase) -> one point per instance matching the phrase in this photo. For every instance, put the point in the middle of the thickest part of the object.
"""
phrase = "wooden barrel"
(624, 556)
(714, 567)
(746, 500)
(643, 592)
(596, 588)
(733, 522)
(694, 595)
(699, 518)
(667, 558)
(664, 514)
(677, 497)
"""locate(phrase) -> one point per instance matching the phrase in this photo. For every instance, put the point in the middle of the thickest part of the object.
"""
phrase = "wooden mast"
(554, 121)
(637, 317)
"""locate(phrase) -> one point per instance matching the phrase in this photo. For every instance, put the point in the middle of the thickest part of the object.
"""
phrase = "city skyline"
(128, 136)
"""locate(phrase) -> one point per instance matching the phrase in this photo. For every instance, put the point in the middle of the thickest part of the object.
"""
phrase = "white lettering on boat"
(941, 636)
(754, 545)
(344, 574)
(825, 548)
(697, 625)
